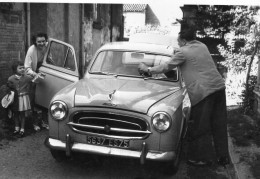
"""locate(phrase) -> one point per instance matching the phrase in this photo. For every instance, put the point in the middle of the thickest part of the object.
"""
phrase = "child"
(19, 83)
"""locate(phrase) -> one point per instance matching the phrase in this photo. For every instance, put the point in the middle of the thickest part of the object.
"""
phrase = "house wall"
(12, 35)
(38, 15)
(72, 23)
(63, 23)
(56, 21)
(134, 19)
(96, 32)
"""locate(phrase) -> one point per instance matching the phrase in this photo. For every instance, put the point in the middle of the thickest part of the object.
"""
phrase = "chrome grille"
(109, 125)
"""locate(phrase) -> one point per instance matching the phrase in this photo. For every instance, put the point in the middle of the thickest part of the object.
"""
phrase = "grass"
(245, 132)
(242, 128)
(255, 165)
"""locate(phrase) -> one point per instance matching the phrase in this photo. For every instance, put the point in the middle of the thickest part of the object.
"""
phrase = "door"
(59, 70)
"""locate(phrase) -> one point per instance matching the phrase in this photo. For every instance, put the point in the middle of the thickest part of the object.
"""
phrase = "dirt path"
(29, 158)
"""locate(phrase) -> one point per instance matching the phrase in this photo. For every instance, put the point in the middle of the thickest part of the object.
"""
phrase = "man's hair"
(188, 34)
(15, 64)
(34, 37)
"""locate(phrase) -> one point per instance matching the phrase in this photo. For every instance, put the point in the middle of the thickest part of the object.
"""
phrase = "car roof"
(153, 38)
(139, 46)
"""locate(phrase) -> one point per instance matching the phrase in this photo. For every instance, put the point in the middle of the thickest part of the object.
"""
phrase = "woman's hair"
(15, 64)
(34, 37)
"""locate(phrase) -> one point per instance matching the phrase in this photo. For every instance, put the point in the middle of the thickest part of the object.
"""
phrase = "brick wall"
(12, 39)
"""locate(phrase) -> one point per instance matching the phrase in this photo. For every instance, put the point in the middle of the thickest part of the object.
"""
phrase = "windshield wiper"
(155, 78)
(102, 73)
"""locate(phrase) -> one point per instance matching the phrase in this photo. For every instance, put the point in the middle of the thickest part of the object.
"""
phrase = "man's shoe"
(199, 163)
(223, 161)
(36, 128)
(46, 126)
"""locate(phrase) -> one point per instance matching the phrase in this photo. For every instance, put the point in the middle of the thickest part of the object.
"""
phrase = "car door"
(59, 69)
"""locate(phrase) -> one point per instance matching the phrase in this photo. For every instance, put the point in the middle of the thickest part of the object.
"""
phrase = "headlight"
(161, 121)
(58, 110)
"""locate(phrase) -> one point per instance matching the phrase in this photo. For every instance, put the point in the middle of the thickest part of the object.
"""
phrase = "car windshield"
(125, 63)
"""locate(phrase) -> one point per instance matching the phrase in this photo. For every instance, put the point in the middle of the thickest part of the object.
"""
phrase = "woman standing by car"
(33, 61)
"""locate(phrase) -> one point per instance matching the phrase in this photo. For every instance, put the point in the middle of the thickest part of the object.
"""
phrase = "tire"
(171, 167)
(58, 155)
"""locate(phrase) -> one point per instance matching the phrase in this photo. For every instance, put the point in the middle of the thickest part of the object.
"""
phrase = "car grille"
(109, 125)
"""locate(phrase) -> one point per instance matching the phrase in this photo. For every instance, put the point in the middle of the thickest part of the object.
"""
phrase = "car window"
(61, 55)
(126, 63)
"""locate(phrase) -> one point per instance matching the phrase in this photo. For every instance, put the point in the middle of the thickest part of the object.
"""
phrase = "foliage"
(214, 20)
(147, 29)
(240, 27)
(239, 54)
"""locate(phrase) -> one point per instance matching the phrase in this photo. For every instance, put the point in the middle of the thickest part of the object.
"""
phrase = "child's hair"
(15, 65)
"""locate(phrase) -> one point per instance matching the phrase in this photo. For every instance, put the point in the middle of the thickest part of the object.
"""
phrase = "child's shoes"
(21, 134)
(16, 132)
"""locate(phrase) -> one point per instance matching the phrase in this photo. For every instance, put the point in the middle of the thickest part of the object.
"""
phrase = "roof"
(134, 7)
(138, 46)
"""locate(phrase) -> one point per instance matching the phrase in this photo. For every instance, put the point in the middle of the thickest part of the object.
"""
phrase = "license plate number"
(108, 142)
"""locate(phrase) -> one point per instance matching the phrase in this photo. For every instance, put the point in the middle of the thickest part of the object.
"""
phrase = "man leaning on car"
(206, 89)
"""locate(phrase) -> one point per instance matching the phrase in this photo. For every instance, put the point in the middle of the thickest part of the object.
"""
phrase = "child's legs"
(22, 117)
(16, 120)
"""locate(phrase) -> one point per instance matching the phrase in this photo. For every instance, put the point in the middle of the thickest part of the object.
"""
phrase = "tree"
(214, 20)
(238, 26)
(242, 46)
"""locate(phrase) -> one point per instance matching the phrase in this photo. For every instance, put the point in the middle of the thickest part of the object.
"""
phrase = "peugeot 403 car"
(114, 110)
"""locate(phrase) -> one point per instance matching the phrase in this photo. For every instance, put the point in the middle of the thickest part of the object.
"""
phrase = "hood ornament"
(110, 96)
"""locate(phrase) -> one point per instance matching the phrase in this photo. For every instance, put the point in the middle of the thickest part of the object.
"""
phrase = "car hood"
(128, 94)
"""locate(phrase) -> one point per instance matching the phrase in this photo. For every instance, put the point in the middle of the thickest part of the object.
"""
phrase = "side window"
(61, 55)
(69, 62)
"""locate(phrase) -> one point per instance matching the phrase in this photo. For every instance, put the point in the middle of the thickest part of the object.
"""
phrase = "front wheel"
(171, 167)
(58, 155)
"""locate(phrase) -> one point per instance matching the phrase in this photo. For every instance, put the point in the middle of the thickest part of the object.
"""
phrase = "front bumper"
(144, 154)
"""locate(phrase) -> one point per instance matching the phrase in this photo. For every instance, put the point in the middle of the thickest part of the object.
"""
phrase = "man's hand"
(142, 68)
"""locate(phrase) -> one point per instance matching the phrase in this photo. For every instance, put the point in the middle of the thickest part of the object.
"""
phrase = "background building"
(85, 26)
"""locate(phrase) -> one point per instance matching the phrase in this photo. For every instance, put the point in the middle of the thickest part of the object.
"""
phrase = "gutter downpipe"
(81, 45)
(111, 23)
(28, 25)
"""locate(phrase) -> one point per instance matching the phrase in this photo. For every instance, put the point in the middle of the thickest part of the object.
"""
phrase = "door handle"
(42, 74)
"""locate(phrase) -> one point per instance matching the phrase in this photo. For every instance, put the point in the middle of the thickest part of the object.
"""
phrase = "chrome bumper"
(144, 154)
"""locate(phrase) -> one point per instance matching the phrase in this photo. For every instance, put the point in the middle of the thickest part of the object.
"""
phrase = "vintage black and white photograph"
(139, 89)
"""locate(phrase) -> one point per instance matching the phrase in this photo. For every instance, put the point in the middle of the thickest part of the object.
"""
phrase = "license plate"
(108, 142)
